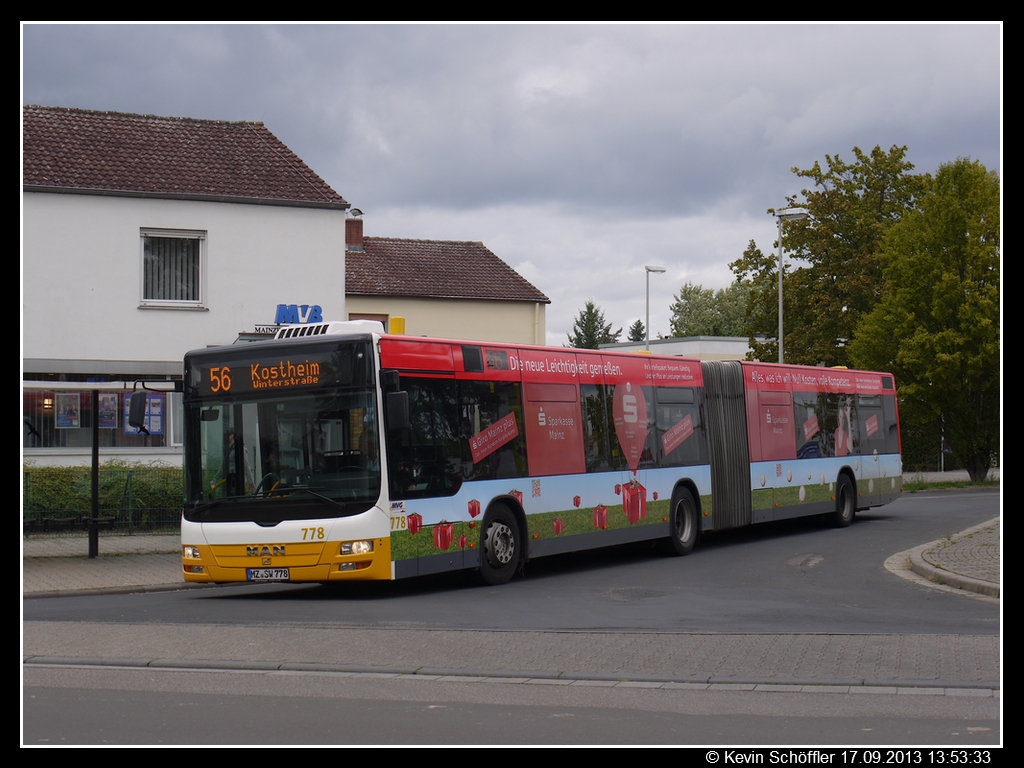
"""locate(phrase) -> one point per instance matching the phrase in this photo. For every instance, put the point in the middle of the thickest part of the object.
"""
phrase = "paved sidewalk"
(968, 560)
(53, 565)
(930, 664)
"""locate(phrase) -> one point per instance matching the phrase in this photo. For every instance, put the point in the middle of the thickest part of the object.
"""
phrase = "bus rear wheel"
(846, 502)
(500, 547)
(683, 522)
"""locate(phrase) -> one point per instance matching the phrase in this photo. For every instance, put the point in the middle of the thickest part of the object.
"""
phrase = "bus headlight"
(190, 553)
(356, 547)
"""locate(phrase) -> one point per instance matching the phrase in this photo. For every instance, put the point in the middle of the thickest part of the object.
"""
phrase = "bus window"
(425, 459)
(678, 420)
(494, 444)
(600, 446)
(808, 421)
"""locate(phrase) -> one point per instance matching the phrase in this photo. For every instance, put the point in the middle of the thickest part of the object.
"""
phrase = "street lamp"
(647, 328)
(789, 214)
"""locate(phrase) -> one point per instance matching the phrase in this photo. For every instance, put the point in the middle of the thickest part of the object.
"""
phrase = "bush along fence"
(138, 498)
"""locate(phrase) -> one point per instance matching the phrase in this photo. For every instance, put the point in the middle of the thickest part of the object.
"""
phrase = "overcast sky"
(577, 154)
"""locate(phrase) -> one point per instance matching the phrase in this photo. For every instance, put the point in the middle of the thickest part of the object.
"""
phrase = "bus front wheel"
(683, 522)
(499, 547)
(846, 502)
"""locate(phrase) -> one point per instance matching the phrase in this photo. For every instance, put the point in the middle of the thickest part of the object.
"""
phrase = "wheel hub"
(682, 523)
(500, 544)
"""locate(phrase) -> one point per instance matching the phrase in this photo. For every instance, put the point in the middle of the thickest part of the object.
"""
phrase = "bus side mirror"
(389, 381)
(398, 410)
(137, 411)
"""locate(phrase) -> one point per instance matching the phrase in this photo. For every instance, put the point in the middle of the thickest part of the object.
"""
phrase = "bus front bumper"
(287, 562)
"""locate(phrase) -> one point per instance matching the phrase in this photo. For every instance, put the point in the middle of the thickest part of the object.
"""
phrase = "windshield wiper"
(201, 508)
(311, 492)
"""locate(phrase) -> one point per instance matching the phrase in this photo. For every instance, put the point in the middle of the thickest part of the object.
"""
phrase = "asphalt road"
(110, 706)
(614, 637)
(791, 577)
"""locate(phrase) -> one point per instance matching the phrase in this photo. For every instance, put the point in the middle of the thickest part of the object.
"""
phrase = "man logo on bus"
(259, 551)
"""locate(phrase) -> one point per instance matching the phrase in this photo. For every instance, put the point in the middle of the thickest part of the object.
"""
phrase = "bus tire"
(500, 546)
(846, 502)
(683, 522)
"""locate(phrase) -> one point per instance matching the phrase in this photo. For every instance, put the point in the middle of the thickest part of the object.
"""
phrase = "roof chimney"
(353, 234)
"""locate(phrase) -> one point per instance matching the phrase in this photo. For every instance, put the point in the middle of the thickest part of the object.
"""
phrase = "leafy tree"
(732, 307)
(590, 328)
(693, 311)
(838, 274)
(937, 326)
(699, 311)
(756, 272)
(637, 332)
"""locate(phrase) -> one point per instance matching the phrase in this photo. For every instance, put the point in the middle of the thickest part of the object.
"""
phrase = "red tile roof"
(436, 269)
(77, 150)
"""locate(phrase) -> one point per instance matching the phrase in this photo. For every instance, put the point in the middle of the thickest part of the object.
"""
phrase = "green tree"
(756, 272)
(837, 277)
(590, 328)
(732, 307)
(693, 311)
(937, 326)
(637, 332)
(699, 311)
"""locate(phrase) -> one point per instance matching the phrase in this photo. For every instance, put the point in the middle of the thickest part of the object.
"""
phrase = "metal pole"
(779, 219)
(647, 326)
(94, 534)
(647, 330)
(789, 214)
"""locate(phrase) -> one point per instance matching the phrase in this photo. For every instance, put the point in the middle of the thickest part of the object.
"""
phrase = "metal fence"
(142, 499)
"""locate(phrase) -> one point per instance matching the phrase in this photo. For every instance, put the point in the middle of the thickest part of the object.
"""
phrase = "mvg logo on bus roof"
(297, 314)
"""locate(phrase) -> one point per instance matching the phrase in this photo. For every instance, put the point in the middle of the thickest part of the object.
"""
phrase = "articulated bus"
(338, 452)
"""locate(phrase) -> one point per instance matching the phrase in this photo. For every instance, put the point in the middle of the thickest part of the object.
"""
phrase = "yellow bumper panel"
(306, 562)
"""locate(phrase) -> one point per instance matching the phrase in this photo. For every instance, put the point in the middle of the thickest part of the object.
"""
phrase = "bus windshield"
(266, 455)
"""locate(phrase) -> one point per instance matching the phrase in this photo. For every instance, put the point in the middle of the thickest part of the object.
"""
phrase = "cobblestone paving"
(843, 659)
(974, 554)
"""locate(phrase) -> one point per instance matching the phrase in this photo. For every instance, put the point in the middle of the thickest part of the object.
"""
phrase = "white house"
(145, 237)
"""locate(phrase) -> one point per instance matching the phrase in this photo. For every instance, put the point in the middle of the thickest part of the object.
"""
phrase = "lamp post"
(789, 214)
(647, 328)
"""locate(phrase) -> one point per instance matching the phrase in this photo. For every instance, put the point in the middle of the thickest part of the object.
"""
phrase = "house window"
(173, 262)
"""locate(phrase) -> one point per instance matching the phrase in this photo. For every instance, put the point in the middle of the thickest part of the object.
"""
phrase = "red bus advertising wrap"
(346, 453)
